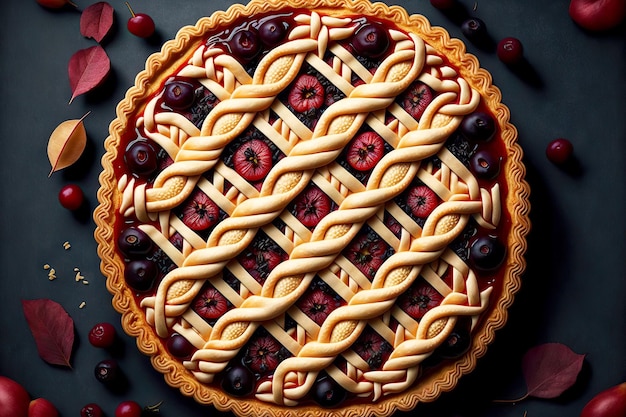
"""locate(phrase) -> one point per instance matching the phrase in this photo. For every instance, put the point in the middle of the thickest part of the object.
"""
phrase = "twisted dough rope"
(287, 282)
(231, 116)
(336, 127)
(345, 324)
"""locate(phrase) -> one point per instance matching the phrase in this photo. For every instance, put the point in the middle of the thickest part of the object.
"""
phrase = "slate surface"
(574, 288)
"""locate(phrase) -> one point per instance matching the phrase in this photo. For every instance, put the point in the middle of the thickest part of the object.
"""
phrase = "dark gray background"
(574, 290)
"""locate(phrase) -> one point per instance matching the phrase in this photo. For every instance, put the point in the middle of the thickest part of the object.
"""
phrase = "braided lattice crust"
(420, 253)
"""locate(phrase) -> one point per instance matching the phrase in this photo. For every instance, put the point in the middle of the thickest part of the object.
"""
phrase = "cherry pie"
(312, 207)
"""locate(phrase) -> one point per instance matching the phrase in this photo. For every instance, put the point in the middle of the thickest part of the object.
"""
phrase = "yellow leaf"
(67, 143)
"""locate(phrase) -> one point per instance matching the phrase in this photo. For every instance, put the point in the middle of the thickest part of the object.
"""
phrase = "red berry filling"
(253, 160)
(365, 150)
(420, 298)
(421, 201)
(264, 353)
(367, 252)
(416, 99)
(210, 304)
(311, 206)
(307, 93)
(318, 303)
(199, 212)
(373, 348)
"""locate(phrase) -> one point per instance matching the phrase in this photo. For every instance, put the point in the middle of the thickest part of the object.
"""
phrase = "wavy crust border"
(175, 53)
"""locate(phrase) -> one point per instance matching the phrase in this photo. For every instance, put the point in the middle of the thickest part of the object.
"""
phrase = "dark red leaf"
(550, 369)
(87, 69)
(96, 21)
(52, 328)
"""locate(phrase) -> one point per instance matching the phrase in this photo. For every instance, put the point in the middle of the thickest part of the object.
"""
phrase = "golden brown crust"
(172, 55)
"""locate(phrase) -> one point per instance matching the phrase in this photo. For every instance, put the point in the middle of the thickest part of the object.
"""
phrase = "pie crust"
(315, 256)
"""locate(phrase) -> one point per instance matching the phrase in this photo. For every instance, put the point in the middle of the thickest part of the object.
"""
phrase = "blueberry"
(273, 31)
(179, 95)
(478, 126)
(328, 393)
(141, 158)
(245, 44)
(487, 253)
(371, 40)
(485, 165)
(134, 242)
(239, 381)
(140, 274)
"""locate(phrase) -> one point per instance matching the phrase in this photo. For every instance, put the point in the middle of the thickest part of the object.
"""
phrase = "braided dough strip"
(290, 279)
(288, 178)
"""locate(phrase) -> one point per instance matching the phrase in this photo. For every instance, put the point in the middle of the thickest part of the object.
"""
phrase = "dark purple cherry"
(179, 95)
(485, 165)
(140, 274)
(141, 158)
(239, 381)
(371, 40)
(134, 242)
(474, 29)
(179, 346)
(487, 253)
(273, 31)
(108, 372)
(245, 44)
(328, 393)
(478, 126)
(455, 344)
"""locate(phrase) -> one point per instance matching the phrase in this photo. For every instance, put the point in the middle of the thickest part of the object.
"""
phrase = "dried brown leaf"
(67, 143)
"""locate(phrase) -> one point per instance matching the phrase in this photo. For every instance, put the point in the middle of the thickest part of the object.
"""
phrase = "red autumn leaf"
(96, 20)
(550, 369)
(87, 69)
(52, 328)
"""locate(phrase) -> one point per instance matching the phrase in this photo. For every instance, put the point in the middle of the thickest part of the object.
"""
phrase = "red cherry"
(510, 51)
(559, 150)
(91, 410)
(140, 24)
(128, 409)
(102, 335)
(365, 151)
(56, 4)
(71, 197)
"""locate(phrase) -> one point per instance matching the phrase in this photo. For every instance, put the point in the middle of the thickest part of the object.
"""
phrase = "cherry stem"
(71, 3)
(130, 9)
(517, 400)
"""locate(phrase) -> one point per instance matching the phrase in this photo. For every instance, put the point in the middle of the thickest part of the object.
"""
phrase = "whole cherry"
(597, 15)
(91, 410)
(102, 335)
(559, 151)
(140, 24)
(510, 51)
(128, 408)
(71, 197)
(56, 4)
